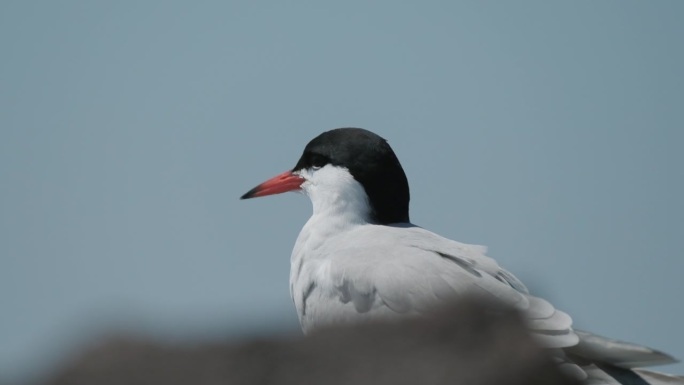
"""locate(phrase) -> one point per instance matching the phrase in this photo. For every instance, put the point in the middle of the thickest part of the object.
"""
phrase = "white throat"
(339, 204)
(337, 198)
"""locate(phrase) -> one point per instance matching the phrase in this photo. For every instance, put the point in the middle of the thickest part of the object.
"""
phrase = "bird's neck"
(337, 212)
(338, 200)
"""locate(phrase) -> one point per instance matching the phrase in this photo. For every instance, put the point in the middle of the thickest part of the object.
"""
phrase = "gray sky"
(549, 131)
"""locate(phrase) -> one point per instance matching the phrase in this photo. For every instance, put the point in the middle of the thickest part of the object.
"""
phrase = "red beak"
(281, 183)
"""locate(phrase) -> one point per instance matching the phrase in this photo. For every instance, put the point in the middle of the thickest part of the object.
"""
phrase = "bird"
(359, 258)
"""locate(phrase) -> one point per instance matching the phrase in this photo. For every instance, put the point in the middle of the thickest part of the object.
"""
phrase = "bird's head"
(350, 167)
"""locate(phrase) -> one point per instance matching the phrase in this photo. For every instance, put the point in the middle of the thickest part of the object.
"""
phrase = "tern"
(359, 258)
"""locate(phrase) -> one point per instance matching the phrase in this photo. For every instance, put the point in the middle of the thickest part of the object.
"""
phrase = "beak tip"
(249, 194)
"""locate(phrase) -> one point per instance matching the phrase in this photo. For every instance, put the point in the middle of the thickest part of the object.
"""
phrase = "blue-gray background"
(550, 131)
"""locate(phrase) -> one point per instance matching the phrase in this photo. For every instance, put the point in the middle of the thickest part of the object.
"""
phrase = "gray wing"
(408, 271)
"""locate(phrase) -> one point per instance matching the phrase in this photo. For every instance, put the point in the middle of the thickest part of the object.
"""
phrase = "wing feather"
(408, 271)
(420, 269)
(378, 271)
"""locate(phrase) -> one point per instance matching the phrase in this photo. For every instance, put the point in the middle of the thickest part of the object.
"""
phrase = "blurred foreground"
(467, 344)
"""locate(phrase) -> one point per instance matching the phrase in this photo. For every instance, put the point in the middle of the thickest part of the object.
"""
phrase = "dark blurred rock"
(465, 345)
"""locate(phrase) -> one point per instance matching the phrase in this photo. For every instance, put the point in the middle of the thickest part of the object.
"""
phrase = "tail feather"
(657, 378)
(611, 362)
(595, 348)
(612, 375)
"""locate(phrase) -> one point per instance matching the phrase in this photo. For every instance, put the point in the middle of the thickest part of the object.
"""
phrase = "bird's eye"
(317, 161)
